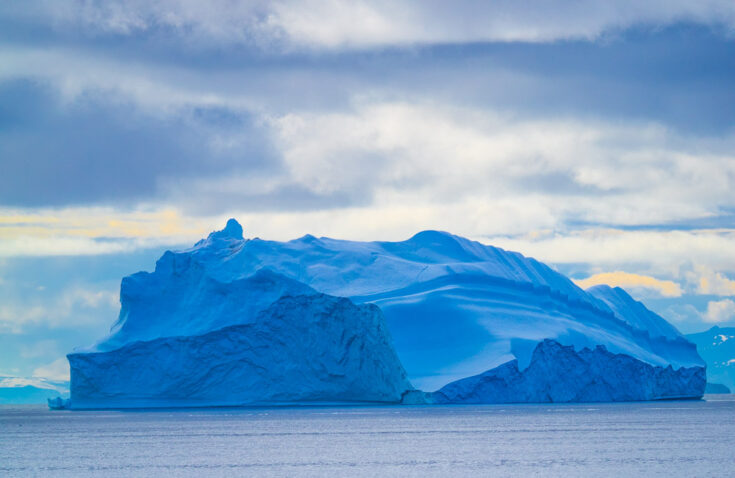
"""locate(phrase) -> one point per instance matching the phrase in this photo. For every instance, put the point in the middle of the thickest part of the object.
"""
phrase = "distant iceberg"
(717, 348)
(437, 318)
(30, 390)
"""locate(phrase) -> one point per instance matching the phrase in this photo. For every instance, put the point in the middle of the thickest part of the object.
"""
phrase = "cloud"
(393, 168)
(127, 129)
(39, 349)
(72, 307)
(329, 25)
(57, 370)
(37, 382)
(714, 283)
(437, 153)
(89, 298)
(92, 230)
(622, 279)
(497, 171)
(14, 317)
(719, 311)
(660, 250)
(112, 142)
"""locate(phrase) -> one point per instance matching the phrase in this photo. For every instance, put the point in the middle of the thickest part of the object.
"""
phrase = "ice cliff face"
(184, 338)
(558, 373)
(306, 348)
(456, 310)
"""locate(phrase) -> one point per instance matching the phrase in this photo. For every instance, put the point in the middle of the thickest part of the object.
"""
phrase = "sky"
(596, 136)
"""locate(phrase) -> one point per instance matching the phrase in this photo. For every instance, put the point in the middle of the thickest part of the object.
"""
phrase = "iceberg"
(301, 349)
(30, 390)
(433, 319)
(717, 348)
(560, 374)
(186, 340)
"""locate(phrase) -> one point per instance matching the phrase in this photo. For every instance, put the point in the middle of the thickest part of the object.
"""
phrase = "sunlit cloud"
(92, 230)
(622, 279)
(719, 311)
(712, 282)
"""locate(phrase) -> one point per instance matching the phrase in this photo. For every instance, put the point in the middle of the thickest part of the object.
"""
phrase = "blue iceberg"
(235, 321)
(558, 373)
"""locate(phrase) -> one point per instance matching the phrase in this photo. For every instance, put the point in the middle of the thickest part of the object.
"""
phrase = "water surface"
(675, 438)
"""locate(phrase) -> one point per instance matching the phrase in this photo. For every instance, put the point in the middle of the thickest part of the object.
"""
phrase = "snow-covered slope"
(717, 348)
(633, 312)
(456, 309)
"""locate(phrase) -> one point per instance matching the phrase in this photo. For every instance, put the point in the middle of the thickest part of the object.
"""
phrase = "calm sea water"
(678, 438)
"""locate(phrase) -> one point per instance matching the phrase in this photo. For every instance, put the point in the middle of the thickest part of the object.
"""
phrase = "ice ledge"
(557, 373)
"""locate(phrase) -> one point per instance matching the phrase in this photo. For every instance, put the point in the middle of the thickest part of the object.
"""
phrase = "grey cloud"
(316, 24)
(97, 152)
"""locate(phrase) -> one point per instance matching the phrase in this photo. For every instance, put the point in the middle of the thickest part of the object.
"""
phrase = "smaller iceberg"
(717, 348)
(30, 390)
(558, 373)
(59, 403)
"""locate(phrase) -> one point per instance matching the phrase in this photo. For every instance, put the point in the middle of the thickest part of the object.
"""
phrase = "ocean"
(669, 438)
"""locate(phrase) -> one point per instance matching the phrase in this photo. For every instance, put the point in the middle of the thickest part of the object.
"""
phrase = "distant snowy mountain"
(717, 348)
(716, 388)
(455, 308)
(17, 390)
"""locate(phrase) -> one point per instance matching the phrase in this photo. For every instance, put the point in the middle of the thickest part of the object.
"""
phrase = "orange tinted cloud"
(666, 288)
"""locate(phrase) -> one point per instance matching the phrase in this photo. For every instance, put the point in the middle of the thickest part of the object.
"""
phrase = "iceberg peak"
(232, 230)
(431, 236)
